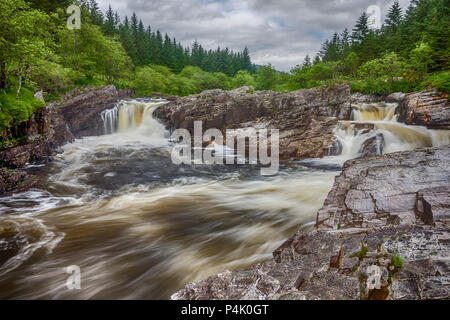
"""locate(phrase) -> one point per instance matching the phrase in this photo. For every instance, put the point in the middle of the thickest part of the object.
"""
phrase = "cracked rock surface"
(383, 233)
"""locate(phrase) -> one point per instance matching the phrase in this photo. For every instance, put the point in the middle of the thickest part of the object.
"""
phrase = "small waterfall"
(374, 130)
(110, 120)
(374, 112)
(133, 116)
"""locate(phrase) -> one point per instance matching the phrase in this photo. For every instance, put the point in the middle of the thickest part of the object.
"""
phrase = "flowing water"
(140, 227)
(379, 121)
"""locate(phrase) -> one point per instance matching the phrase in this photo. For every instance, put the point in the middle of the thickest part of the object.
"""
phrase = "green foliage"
(438, 80)
(40, 52)
(93, 54)
(361, 254)
(422, 57)
(398, 57)
(388, 68)
(148, 80)
(13, 110)
(152, 79)
(397, 261)
(266, 78)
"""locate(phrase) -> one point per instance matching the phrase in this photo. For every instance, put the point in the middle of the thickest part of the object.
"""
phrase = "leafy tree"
(243, 78)
(266, 77)
(422, 58)
(24, 38)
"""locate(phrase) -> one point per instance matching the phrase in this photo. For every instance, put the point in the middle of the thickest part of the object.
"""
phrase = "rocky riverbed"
(390, 211)
(386, 216)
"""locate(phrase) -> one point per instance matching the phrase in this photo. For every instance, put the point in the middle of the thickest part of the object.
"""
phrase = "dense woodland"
(409, 52)
(38, 51)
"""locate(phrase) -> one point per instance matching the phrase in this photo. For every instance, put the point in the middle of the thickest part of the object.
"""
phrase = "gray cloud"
(280, 32)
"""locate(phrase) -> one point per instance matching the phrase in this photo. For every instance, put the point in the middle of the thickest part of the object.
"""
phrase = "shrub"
(14, 111)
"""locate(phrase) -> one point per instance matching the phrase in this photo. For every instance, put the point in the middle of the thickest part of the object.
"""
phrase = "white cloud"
(280, 32)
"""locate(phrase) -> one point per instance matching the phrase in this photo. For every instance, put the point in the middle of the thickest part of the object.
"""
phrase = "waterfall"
(374, 112)
(110, 120)
(133, 116)
(375, 126)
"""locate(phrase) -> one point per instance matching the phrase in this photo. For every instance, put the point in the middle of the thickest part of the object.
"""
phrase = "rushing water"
(376, 120)
(141, 227)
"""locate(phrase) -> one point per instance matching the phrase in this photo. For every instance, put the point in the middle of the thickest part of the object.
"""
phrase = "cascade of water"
(133, 116)
(110, 120)
(377, 123)
(374, 112)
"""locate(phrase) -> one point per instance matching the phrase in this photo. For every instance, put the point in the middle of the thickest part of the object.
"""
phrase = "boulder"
(372, 146)
(81, 109)
(305, 118)
(425, 108)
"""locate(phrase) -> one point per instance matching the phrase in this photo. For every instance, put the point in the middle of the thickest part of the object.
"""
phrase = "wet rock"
(369, 190)
(395, 97)
(39, 95)
(15, 181)
(433, 205)
(426, 108)
(355, 252)
(305, 118)
(81, 109)
(334, 149)
(372, 146)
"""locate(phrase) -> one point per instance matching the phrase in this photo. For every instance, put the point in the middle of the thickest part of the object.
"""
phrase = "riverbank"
(36, 141)
(387, 213)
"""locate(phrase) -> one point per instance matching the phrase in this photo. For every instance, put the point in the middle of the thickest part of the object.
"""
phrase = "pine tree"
(141, 44)
(146, 47)
(394, 17)
(158, 47)
(134, 27)
(116, 20)
(168, 53)
(316, 60)
(307, 62)
(246, 63)
(127, 40)
(109, 27)
(95, 13)
(361, 29)
(345, 43)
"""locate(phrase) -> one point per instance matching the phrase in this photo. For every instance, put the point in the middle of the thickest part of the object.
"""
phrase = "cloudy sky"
(280, 32)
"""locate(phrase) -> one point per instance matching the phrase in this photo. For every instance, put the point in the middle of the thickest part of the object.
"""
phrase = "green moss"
(14, 111)
(397, 261)
(361, 254)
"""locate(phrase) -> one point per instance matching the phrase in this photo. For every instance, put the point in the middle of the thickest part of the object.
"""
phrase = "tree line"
(39, 52)
(410, 51)
(146, 46)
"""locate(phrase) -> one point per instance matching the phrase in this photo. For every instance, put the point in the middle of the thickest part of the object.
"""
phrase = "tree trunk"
(20, 83)
(2, 75)
(74, 42)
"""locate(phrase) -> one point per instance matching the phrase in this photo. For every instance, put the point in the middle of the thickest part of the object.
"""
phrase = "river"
(140, 227)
